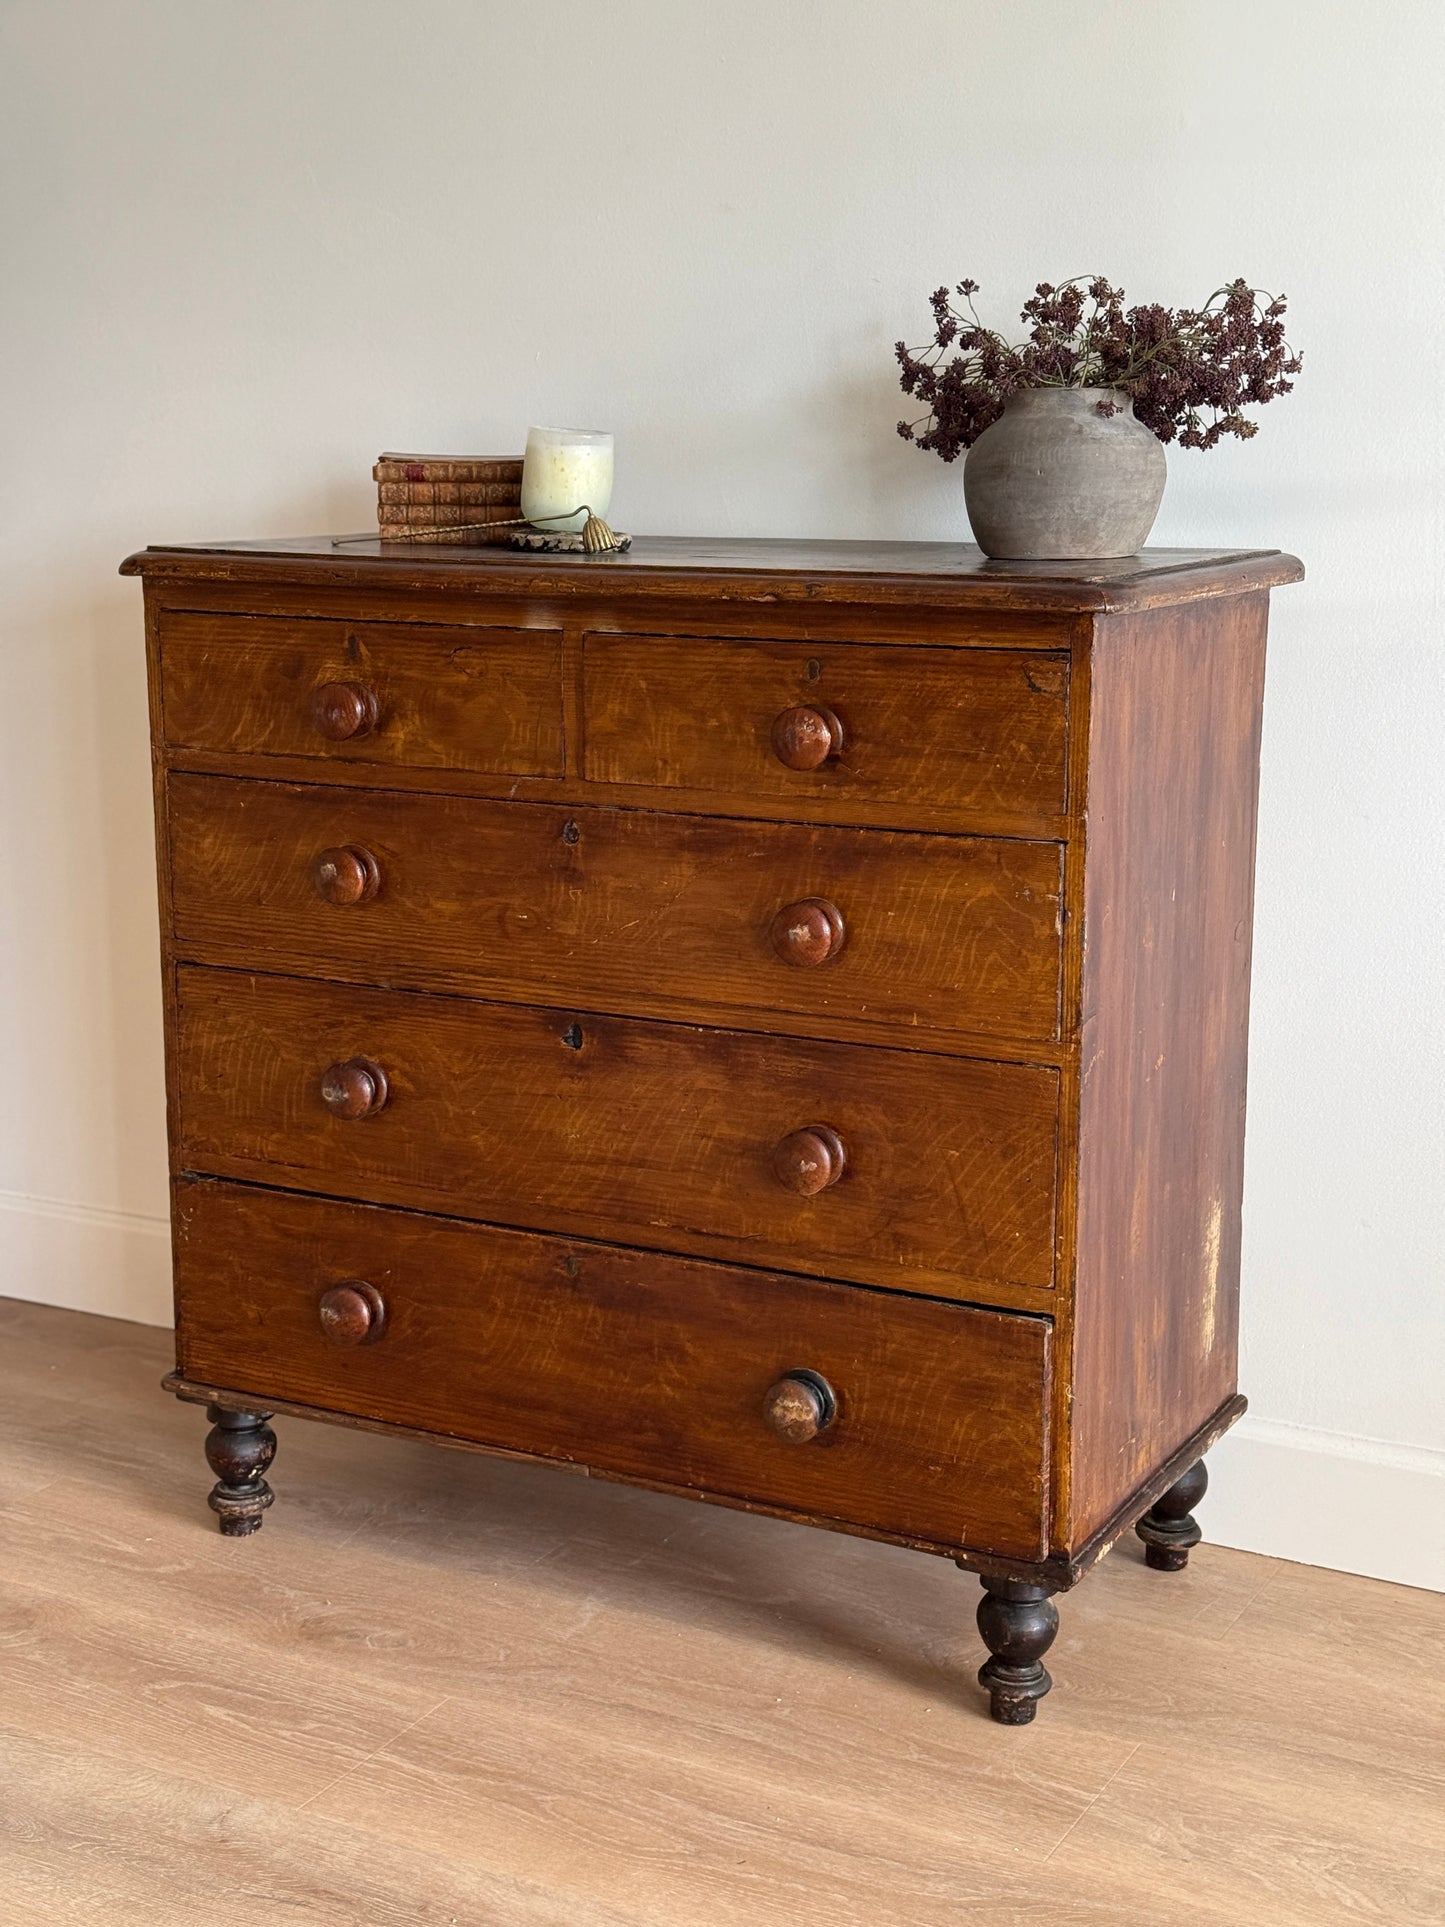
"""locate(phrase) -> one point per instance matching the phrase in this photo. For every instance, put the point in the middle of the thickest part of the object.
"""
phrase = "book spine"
(444, 514)
(464, 494)
(431, 468)
(414, 535)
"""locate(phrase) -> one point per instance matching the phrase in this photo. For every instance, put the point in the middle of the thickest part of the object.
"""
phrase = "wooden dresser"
(761, 1020)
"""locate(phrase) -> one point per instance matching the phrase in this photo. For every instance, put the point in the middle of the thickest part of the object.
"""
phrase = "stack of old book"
(447, 498)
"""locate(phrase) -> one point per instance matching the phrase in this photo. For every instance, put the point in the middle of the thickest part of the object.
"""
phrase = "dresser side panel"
(160, 786)
(1175, 707)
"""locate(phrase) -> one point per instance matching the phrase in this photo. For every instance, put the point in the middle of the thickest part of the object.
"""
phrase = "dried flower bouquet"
(1189, 372)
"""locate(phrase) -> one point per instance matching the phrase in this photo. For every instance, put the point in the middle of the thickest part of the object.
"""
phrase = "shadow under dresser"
(765, 1021)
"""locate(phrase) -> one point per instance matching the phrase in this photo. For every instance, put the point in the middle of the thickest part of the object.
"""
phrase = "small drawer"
(622, 910)
(891, 1167)
(920, 1420)
(918, 730)
(487, 701)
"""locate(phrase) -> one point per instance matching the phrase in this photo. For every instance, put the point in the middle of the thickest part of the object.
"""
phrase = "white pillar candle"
(565, 469)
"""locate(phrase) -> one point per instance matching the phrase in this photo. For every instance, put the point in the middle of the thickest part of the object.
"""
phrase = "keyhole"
(814, 669)
(571, 833)
(353, 649)
(572, 1037)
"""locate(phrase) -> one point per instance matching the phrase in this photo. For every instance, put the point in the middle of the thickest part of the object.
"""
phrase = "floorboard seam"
(1253, 1599)
(1093, 1803)
(361, 1764)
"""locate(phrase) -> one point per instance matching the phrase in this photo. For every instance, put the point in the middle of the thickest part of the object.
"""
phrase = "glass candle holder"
(566, 471)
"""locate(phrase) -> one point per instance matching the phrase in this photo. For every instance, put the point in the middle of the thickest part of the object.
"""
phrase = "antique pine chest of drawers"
(762, 1020)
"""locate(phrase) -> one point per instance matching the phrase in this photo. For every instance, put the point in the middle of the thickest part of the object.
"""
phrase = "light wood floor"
(442, 1691)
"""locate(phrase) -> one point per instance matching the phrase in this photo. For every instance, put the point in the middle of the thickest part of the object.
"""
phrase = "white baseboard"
(1329, 1499)
(113, 1262)
(1318, 1498)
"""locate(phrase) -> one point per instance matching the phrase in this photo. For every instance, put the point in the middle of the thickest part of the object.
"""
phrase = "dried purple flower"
(1187, 371)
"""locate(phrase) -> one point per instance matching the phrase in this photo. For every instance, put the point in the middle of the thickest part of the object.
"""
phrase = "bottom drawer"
(635, 1363)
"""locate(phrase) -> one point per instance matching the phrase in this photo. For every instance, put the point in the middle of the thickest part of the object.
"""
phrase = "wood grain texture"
(442, 1689)
(851, 811)
(935, 574)
(1055, 1571)
(381, 594)
(655, 1134)
(963, 729)
(473, 699)
(164, 904)
(643, 1365)
(1173, 778)
(619, 910)
(845, 912)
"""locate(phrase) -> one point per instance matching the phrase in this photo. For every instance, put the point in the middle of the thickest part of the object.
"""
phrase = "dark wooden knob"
(341, 710)
(807, 737)
(345, 875)
(800, 1406)
(353, 1313)
(356, 1088)
(808, 1161)
(808, 933)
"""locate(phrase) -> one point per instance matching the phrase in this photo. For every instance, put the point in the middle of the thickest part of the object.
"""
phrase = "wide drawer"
(623, 910)
(653, 1133)
(646, 1366)
(483, 700)
(981, 730)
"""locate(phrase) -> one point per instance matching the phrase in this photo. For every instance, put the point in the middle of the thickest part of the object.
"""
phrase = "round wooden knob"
(352, 1314)
(800, 1406)
(807, 737)
(808, 933)
(345, 875)
(356, 1088)
(341, 710)
(808, 1161)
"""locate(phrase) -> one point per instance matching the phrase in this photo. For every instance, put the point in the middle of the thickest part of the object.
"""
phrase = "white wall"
(246, 247)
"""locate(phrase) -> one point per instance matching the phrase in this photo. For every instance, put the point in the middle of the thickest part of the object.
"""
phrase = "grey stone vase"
(1053, 478)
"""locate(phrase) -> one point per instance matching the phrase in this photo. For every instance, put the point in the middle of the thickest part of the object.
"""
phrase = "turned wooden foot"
(239, 1448)
(1018, 1622)
(1169, 1528)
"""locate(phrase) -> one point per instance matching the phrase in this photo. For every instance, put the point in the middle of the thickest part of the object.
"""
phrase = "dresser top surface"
(740, 568)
